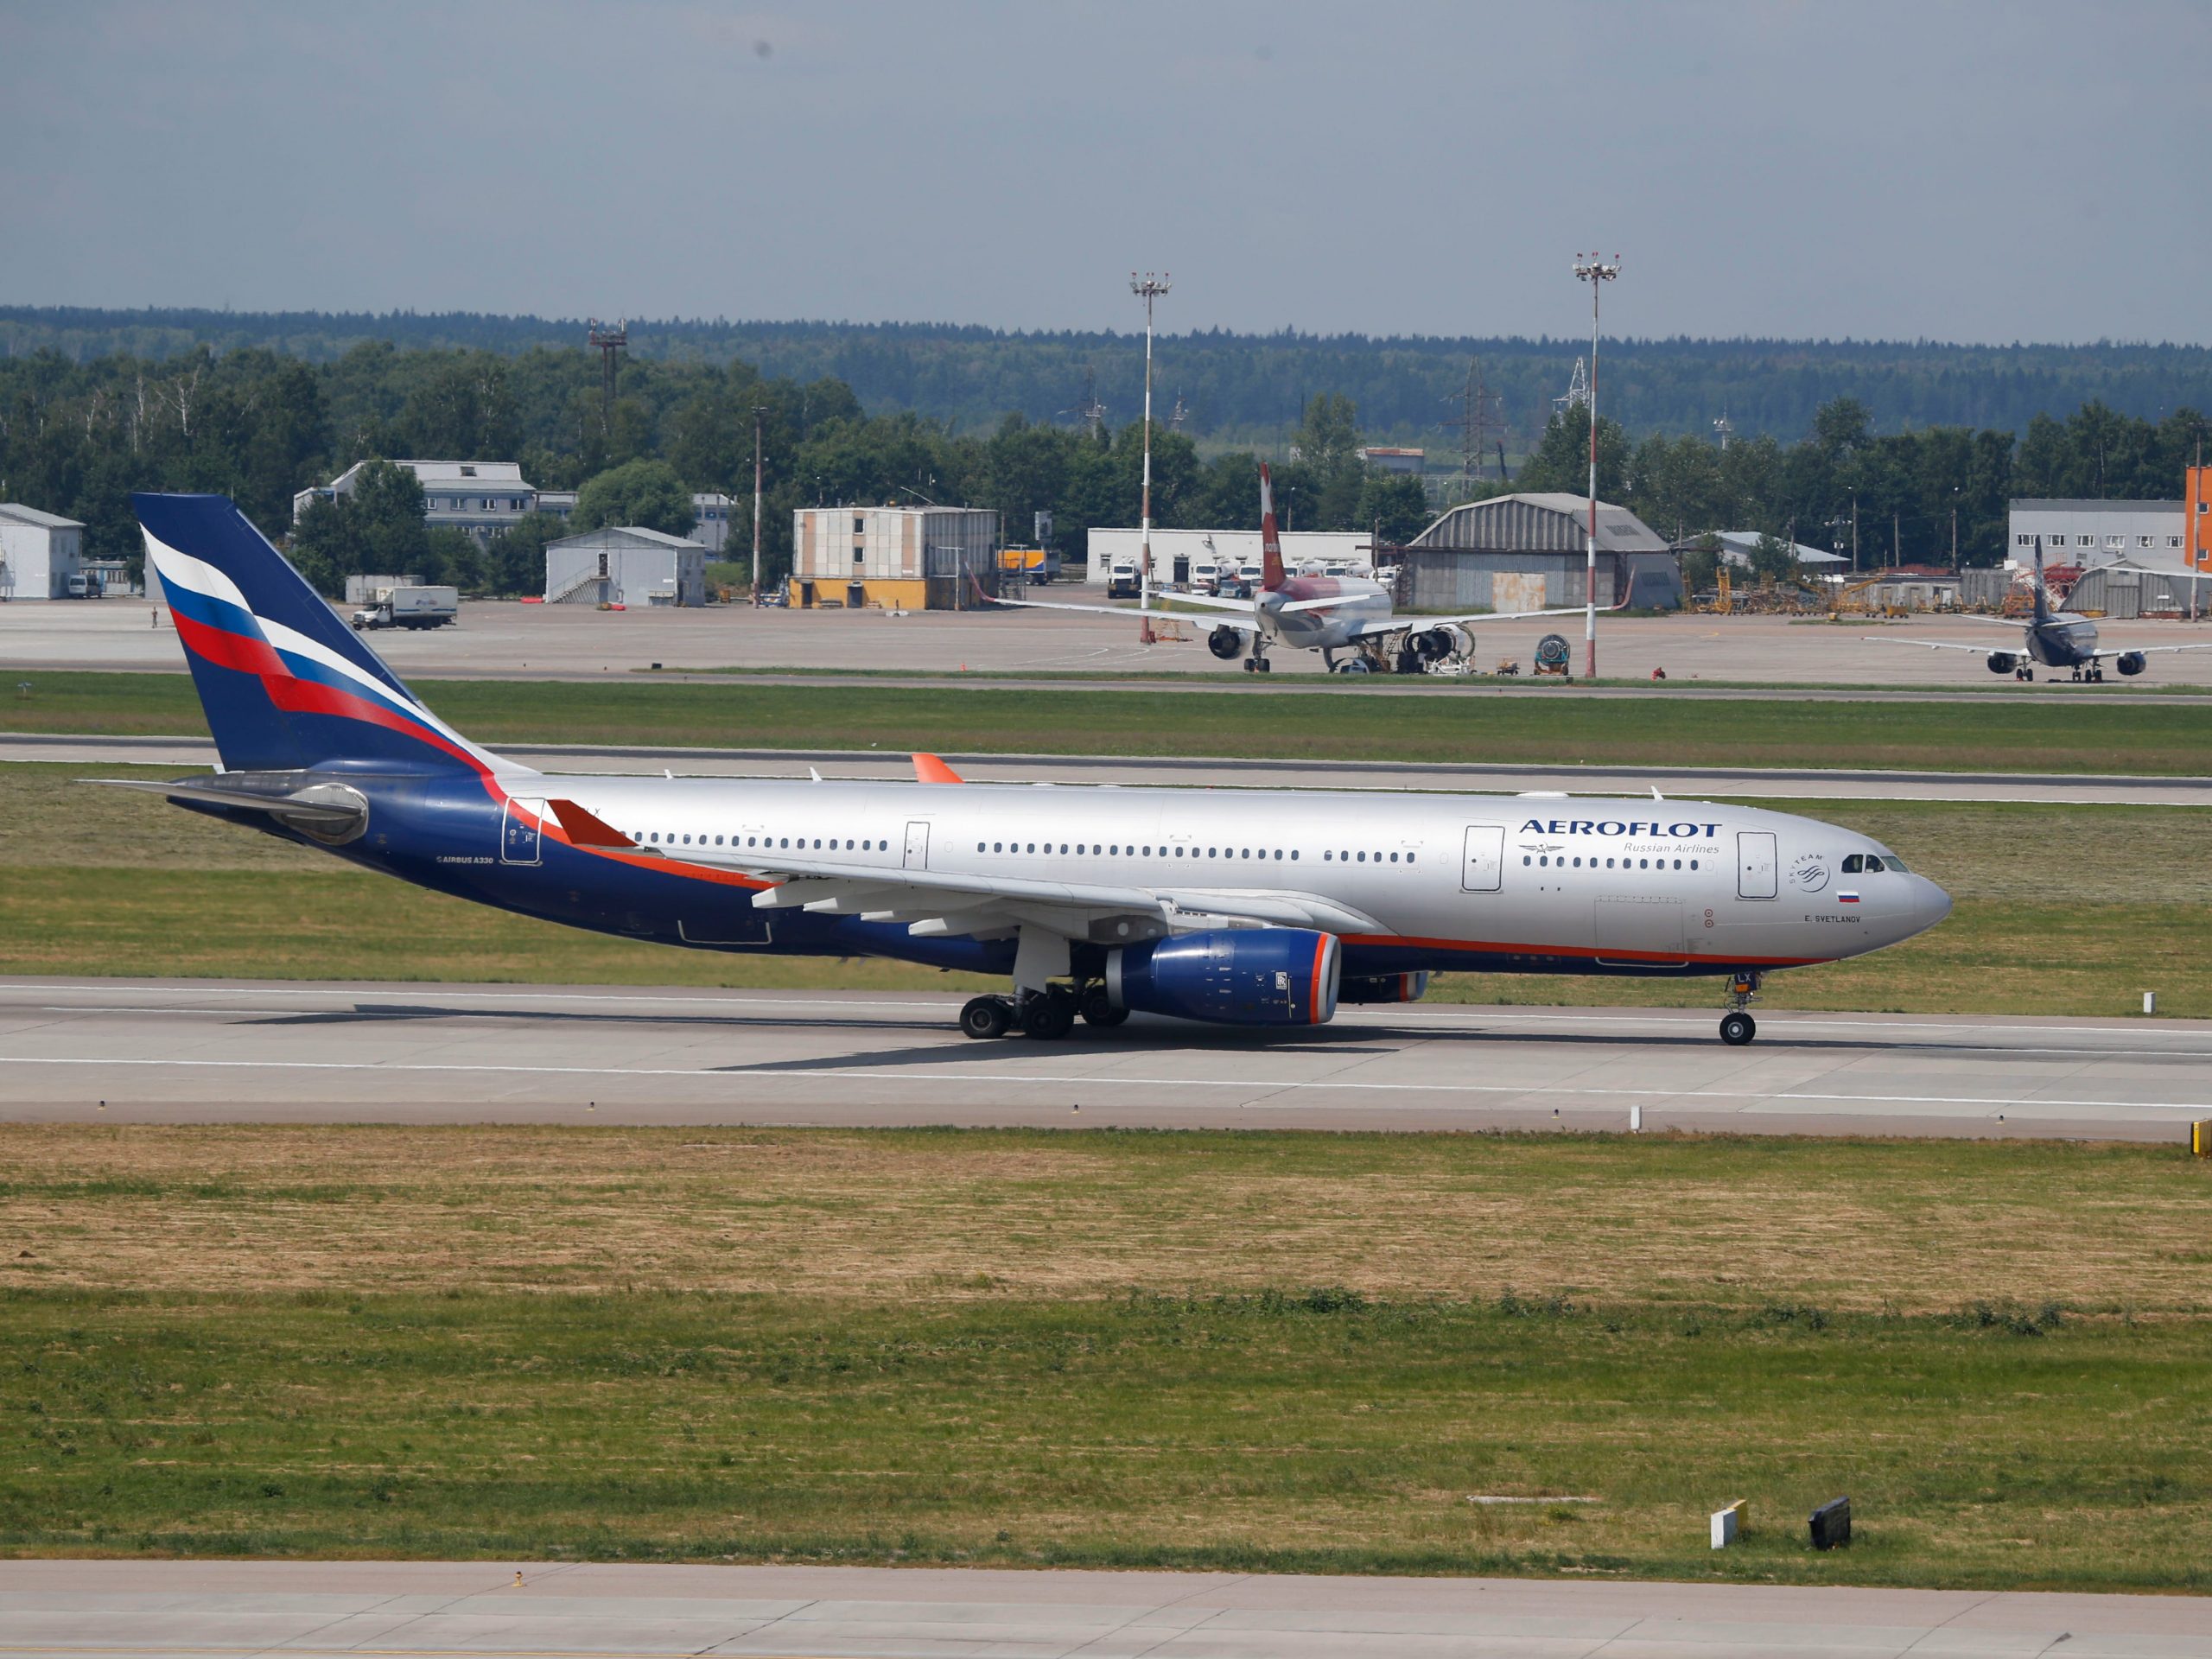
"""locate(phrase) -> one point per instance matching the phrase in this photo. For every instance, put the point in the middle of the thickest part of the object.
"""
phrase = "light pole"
(757, 412)
(1146, 287)
(1591, 269)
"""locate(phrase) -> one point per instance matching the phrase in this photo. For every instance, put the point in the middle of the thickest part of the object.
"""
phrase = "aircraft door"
(1754, 862)
(917, 846)
(1484, 864)
(520, 833)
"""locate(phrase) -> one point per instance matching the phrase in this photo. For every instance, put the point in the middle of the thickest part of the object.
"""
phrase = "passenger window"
(1393, 859)
(1524, 858)
(1294, 854)
(1409, 859)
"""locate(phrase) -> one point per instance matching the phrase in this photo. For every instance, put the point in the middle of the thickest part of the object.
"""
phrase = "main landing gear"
(1257, 662)
(1736, 1026)
(1046, 1015)
(2094, 673)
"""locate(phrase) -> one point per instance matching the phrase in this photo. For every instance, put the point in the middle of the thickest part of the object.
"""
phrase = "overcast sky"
(2027, 171)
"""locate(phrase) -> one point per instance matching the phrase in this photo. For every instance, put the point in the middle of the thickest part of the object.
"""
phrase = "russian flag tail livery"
(1270, 540)
(285, 684)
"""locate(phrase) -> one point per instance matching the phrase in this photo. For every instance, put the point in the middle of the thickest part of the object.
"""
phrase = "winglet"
(585, 829)
(1272, 576)
(928, 769)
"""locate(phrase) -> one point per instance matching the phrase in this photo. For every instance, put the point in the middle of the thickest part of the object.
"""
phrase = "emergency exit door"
(917, 846)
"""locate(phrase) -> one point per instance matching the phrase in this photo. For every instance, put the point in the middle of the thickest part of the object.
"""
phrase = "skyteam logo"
(1809, 874)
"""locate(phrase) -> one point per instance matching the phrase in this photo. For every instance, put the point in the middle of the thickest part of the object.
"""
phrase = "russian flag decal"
(1846, 898)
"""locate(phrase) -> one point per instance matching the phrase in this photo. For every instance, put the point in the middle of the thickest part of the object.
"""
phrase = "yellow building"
(893, 558)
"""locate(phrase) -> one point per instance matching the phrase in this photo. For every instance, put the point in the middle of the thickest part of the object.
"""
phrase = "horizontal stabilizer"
(324, 808)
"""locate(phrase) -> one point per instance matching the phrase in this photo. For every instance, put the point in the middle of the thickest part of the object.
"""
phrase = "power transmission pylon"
(1090, 411)
(1477, 420)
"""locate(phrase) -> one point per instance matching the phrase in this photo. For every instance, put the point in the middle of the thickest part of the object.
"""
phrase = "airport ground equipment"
(428, 607)
(1831, 1524)
(1554, 657)
(1261, 908)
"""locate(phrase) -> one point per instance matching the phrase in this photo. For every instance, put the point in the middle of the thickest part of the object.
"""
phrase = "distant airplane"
(2054, 639)
(1236, 907)
(1323, 614)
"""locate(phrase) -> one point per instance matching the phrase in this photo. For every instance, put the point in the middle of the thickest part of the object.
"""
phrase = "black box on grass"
(1832, 1524)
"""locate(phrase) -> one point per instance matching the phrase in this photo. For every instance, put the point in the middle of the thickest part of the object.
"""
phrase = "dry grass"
(886, 1217)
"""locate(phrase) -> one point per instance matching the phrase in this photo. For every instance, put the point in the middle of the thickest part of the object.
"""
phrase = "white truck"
(1122, 581)
(409, 608)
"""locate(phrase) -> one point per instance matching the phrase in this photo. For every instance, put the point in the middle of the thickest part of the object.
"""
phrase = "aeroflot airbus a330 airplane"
(1245, 908)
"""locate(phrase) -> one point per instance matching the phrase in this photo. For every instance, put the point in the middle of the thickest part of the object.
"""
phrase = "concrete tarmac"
(431, 1609)
(501, 639)
(1744, 783)
(165, 1052)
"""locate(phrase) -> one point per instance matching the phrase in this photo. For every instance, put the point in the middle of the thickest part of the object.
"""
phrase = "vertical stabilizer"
(2042, 594)
(1270, 538)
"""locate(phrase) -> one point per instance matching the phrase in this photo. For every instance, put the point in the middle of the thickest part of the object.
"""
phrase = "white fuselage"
(1467, 880)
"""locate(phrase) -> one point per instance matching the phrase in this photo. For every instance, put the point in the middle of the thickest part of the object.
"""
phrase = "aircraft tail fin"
(2041, 593)
(1270, 539)
(284, 684)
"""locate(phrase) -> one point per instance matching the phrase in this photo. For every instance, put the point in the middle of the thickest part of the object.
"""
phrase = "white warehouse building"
(626, 566)
(2148, 533)
(39, 552)
(1177, 553)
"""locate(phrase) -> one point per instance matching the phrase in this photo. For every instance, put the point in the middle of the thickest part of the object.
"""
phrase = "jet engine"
(2131, 663)
(1383, 988)
(2003, 662)
(1434, 645)
(1226, 643)
(1232, 977)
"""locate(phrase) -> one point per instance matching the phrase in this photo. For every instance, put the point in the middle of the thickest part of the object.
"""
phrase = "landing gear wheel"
(986, 1016)
(1738, 1029)
(1049, 1017)
(1099, 1010)
(1264, 665)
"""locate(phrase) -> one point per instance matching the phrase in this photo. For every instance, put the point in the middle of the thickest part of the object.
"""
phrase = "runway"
(167, 1051)
(1739, 783)
(431, 1610)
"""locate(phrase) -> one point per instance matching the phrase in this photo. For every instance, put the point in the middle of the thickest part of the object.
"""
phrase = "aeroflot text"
(1616, 827)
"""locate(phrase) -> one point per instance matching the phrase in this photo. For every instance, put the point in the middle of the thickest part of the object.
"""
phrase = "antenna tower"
(1179, 414)
(1577, 388)
(1090, 411)
(611, 342)
(1724, 429)
(1478, 419)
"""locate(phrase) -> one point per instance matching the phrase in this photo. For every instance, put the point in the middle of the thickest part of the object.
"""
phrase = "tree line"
(1249, 389)
(260, 425)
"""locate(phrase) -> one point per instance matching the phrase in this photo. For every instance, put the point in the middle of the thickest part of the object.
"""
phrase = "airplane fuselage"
(2066, 640)
(1352, 601)
(1506, 883)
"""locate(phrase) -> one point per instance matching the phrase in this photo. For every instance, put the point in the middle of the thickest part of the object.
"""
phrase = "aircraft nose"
(1930, 903)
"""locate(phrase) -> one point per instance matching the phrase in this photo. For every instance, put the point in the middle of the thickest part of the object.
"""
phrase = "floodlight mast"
(1148, 288)
(759, 410)
(1591, 269)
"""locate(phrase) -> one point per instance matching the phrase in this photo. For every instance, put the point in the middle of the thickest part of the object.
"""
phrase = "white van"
(1205, 576)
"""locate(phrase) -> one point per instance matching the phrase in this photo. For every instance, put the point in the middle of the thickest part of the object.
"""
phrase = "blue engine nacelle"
(1383, 988)
(2132, 662)
(1231, 976)
(2003, 662)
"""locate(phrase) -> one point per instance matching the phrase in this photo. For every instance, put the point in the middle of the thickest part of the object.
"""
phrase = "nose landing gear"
(1736, 1026)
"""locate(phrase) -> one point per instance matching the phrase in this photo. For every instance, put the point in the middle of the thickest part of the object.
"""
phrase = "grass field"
(2071, 737)
(1247, 1352)
(2061, 910)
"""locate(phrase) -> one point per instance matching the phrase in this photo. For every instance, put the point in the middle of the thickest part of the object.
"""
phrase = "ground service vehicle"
(1259, 907)
(409, 608)
(83, 584)
(1122, 580)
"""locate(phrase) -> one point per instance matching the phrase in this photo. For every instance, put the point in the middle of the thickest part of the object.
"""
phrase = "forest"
(77, 436)
(1249, 390)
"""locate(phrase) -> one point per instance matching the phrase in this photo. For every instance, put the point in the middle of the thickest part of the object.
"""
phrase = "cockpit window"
(1894, 863)
(1852, 863)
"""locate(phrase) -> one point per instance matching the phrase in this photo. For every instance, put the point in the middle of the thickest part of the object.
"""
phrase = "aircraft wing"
(1934, 644)
(933, 902)
(1246, 622)
(2104, 650)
